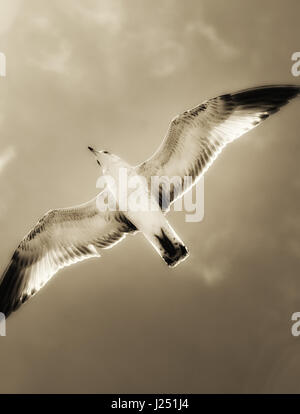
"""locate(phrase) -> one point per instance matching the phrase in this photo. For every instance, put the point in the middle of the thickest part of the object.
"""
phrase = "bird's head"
(105, 159)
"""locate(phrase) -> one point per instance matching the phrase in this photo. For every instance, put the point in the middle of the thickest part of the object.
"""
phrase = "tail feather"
(169, 246)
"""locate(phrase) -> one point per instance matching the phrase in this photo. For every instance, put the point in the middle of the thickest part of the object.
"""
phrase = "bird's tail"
(168, 244)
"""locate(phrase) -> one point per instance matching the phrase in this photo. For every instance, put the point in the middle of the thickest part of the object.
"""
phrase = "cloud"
(8, 12)
(169, 57)
(104, 13)
(210, 33)
(54, 61)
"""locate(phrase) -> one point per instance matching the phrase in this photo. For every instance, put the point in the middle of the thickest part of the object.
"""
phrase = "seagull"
(194, 140)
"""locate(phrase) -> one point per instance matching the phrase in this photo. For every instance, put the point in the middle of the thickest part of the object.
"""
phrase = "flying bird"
(193, 141)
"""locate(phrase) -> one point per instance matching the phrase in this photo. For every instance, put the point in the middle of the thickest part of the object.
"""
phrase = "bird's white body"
(135, 199)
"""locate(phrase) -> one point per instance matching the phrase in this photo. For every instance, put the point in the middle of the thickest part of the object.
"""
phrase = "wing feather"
(60, 238)
(196, 137)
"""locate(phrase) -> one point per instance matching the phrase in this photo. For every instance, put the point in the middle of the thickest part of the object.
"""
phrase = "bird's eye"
(105, 152)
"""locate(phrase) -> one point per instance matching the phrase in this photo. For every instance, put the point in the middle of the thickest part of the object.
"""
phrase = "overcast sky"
(112, 74)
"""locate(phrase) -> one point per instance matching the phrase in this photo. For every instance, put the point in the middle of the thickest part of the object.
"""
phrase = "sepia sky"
(112, 74)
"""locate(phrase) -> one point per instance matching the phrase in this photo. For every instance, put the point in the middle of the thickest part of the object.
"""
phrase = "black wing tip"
(10, 288)
(270, 87)
(10, 304)
(7, 305)
(276, 93)
(6, 313)
(268, 98)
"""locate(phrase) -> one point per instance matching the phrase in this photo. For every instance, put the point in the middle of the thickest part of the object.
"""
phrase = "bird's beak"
(95, 152)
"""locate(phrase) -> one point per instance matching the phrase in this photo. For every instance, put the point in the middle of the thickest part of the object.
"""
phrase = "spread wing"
(196, 137)
(60, 238)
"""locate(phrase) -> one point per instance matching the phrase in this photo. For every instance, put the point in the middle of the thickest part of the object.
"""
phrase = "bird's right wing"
(197, 136)
(60, 238)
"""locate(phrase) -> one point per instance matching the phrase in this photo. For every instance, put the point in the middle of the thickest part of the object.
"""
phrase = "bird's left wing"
(60, 238)
(196, 137)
